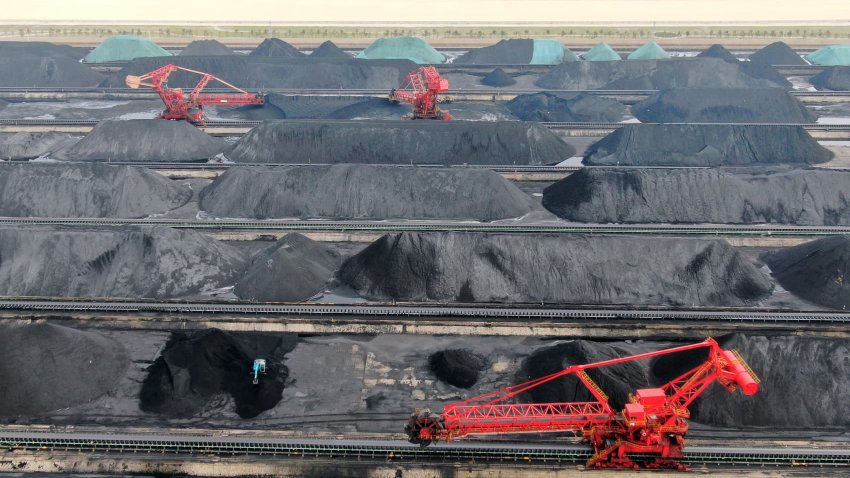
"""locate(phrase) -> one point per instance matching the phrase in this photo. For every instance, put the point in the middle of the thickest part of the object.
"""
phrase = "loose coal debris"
(46, 367)
(401, 142)
(86, 190)
(566, 107)
(457, 367)
(295, 268)
(706, 145)
(809, 197)
(723, 105)
(818, 271)
(150, 140)
(463, 267)
(360, 191)
(197, 366)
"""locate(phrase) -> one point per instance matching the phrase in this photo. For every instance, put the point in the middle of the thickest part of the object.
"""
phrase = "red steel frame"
(652, 425)
(179, 105)
(421, 89)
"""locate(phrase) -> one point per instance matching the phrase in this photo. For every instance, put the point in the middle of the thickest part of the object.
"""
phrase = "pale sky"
(487, 11)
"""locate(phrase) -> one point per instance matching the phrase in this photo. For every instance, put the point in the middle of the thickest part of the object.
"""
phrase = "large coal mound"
(322, 107)
(196, 367)
(723, 105)
(259, 72)
(329, 49)
(275, 47)
(718, 196)
(457, 367)
(43, 49)
(581, 107)
(401, 142)
(143, 262)
(510, 268)
(618, 381)
(718, 51)
(705, 145)
(498, 78)
(650, 75)
(206, 47)
(295, 268)
(46, 367)
(785, 365)
(506, 52)
(836, 78)
(24, 146)
(86, 190)
(21, 69)
(144, 140)
(359, 191)
(818, 271)
(777, 53)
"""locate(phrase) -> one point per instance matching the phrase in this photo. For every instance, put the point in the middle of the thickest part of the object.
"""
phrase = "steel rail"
(395, 451)
(388, 226)
(427, 310)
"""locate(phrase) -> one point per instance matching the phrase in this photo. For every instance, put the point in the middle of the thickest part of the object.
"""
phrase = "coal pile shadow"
(458, 367)
(198, 366)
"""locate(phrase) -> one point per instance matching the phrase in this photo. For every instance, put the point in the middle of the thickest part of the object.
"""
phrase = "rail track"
(392, 312)
(393, 451)
(758, 230)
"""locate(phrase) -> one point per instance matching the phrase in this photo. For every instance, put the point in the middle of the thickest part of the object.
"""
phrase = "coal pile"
(498, 78)
(3, 105)
(459, 267)
(259, 72)
(324, 107)
(358, 191)
(457, 367)
(401, 142)
(618, 381)
(275, 47)
(650, 75)
(777, 53)
(295, 268)
(129, 262)
(836, 78)
(46, 367)
(818, 271)
(718, 51)
(40, 48)
(766, 72)
(23, 146)
(23, 70)
(786, 365)
(506, 52)
(329, 49)
(566, 107)
(196, 367)
(86, 190)
(810, 197)
(144, 140)
(706, 145)
(723, 105)
(206, 47)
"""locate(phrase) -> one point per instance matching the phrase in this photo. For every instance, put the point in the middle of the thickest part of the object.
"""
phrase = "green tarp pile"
(124, 48)
(833, 55)
(649, 51)
(550, 52)
(402, 48)
(601, 52)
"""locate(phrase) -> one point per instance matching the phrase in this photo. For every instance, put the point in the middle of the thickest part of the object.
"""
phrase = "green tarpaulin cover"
(550, 52)
(124, 48)
(650, 51)
(831, 55)
(402, 48)
(601, 52)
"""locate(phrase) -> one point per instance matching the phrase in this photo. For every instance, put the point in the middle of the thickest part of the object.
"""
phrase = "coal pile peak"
(196, 367)
(512, 268)
(718, 51)
(275, 47)
(295, 268)
(706, 145)
(818, 271)
(329, 49)
(401, 142)
(723, 105)
(457, 367)
(359, 191)
(498, 78)
(151, 140)
(805, 197)
(778, 53)
(505, 52)
(86, 190)
(206, 47)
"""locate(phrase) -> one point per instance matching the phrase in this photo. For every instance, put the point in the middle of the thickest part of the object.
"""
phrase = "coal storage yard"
(334, 250)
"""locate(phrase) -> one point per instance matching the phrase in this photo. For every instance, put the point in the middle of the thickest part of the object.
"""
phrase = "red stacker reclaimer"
(648, 433)
(422, 89)
(180, 105)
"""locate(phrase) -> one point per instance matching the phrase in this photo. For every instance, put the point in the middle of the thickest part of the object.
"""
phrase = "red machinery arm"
(421, 89)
